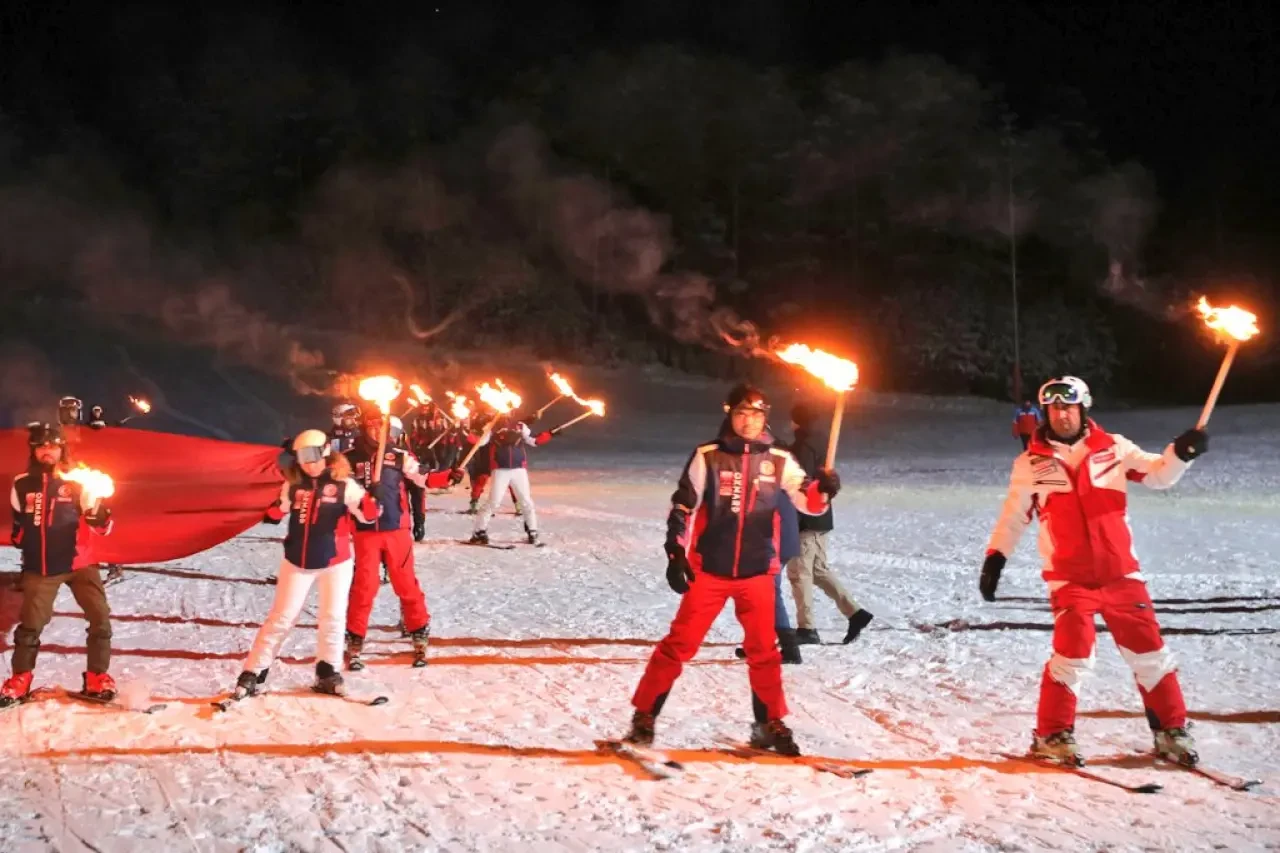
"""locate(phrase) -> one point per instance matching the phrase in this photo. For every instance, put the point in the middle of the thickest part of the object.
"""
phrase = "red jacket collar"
(1096, 438)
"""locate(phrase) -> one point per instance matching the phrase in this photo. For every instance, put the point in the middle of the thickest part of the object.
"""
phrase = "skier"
(509, 462)
(721, 544)
(70, 411)
(811, 568)
(346, 425)
(320, 499)
(387, 538)
(50, 517)
(1026, 420)
(1074, 477)
(97, 418)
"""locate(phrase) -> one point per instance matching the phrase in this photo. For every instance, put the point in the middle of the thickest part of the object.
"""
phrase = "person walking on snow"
(1074, 477)
(320, 500)
(811, 568)
(509, 462)
(722, 543)
(1026, 420)
(388, 538)
(51, 518)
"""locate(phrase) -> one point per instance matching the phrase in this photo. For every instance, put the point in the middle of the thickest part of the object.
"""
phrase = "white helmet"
(312, 445)
(396, 431)
(345, 412)
(1070, 390)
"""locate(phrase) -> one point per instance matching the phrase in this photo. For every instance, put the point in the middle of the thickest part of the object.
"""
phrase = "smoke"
(610, 244)
(26, 384)
(1124, 210)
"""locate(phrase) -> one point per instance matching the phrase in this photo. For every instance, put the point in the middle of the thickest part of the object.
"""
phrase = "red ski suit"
(1079, 494)
(724, 514)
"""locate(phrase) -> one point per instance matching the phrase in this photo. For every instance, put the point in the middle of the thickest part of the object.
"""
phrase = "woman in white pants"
(509, 465)
(319, 498)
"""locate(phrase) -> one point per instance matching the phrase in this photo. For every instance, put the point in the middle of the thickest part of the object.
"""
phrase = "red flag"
(175, 495)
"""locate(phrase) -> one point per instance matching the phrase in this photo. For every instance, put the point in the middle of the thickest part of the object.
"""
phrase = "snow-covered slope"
(535, 653)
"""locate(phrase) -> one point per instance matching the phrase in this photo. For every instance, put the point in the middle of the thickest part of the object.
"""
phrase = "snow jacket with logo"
(320, 511)
(49, 521)
(1084, 536)
(398, 466)
(725, 510)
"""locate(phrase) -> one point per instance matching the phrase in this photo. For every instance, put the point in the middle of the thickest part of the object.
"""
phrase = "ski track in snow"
(535, 654)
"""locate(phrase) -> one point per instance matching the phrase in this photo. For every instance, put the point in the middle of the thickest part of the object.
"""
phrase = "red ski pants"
(396, 547)
(1127, 610)
(699, 607)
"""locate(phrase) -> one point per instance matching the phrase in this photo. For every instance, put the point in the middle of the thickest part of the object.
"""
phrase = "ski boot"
(641, 733)
(860, 619)
(114, 574)
(775, 736)
(355, 645)
(1059, 746)
(808, 637)
(328, 680)
(1176, 745)
(790, 646)
(16, 689)
(99, 685)
(248, 684)
(532, 534)
(480, 537)
(420, 639)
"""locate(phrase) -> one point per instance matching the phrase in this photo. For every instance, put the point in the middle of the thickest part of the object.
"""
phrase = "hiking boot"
(859, 620)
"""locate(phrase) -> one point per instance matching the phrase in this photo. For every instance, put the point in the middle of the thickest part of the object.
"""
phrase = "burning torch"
(141, 406)
(1238, 325)
(838, 374)
(460, 410)
(97, 486)
(381, 390)
(503, 401)
(595, 408)
(563, 386)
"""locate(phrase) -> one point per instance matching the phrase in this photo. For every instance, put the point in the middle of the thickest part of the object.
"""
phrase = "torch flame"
(562, 385)
(460, 409)
(501, 399)
(96, 484)
(1236, 322)
(422, 396)
(596, 407)
(381, 390)
(839, 374)
(140, 404)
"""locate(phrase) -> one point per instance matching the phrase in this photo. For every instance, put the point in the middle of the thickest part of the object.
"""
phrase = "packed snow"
(535, 653)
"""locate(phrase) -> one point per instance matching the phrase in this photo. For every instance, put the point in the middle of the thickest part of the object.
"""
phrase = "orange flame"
(381, 390)
(562, 385)
(596, 407)
(460, 409)
(501, 399)
(96, 484)
(837, 373)
(422, 396)
(140, 404)
(1236, 322)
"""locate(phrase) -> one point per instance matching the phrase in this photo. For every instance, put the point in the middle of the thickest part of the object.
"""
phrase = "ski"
(1235, 783)
(654, 763)
(1145, 788)
(225, 704)
(112, 703)
(746, 750)
(495, 546)
(16, 703)
(370, 701)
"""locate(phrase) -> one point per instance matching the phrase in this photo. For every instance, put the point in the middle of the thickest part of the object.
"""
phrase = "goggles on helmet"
(1068, 393)
(307, 455)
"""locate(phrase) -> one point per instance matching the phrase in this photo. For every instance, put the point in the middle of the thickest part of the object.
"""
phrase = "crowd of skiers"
(745, 509)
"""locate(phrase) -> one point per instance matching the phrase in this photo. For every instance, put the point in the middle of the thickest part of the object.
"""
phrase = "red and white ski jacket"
(1079, 494)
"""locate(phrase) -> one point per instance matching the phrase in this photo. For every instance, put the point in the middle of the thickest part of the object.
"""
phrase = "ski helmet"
(746, 397)
(40, 434)
(96, 412)
(69, 410)
(312, 445)
(345, 413)
(395, 431)
(1070, 390)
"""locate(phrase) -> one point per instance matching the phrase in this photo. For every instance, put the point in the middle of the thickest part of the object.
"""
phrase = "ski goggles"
(1067, 393)
(307, 455)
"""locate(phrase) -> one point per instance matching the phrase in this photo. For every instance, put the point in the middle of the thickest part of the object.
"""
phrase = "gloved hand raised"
(828, 482)
(1191, 445)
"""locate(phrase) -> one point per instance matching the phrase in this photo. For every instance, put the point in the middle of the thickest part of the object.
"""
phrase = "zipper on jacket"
(742, 510)
(44, 522)
(306, 526)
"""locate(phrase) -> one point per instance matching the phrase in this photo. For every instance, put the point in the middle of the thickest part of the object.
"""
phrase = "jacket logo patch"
(766, 469)
(726, 483)
(1045, 470)
(64, 491)
(330, 490)
(1104, 457)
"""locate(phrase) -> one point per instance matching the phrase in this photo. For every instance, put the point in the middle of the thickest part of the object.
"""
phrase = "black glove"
(100, 517)
(455, 476)
(828, 482)
(679, 572)
(991, 569)
(419, 529)
(1191, 445)
(267, 518)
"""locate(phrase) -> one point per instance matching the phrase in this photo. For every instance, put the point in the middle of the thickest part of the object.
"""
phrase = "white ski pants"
(518, 480)
(292, 587)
